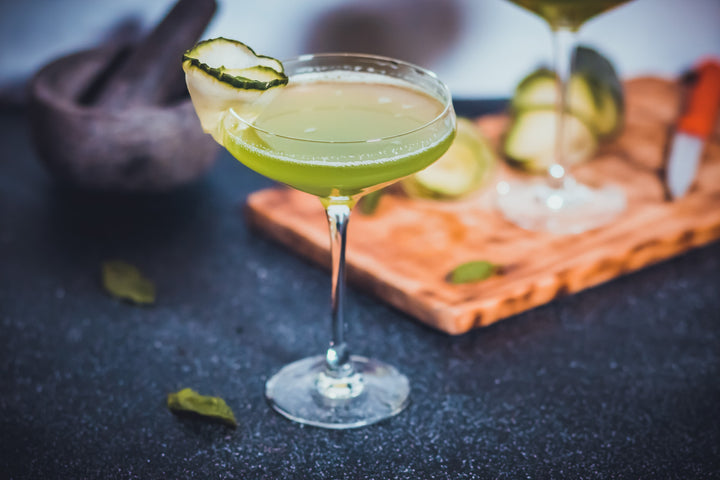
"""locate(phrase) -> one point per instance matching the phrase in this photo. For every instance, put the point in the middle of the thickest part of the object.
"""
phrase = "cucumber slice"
(454, 176)
(529, 143)
(608, 117)
(223, 74)
(235, 63)
(539, 90)
(465, 167)
(595, 92)
(600, 71)
(592, 63)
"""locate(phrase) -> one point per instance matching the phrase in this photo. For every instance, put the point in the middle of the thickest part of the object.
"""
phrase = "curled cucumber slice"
(223, 74)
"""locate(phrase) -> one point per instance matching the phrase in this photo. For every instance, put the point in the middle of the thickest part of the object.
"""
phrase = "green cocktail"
(336, 126)
(341, 136)
(568, 13)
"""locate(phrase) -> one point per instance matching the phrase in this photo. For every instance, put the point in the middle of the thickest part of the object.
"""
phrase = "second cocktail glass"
(561, 204)
(345, 125)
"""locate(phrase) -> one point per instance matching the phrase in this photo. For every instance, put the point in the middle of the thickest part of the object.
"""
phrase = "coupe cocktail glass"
(345, 125)
(561, 204)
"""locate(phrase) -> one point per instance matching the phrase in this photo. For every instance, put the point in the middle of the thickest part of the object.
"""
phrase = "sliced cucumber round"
(529, 143)
(598, 70)
(608, 117)
(465, 167)
(539, 90)
(594, 93)
(223, 74)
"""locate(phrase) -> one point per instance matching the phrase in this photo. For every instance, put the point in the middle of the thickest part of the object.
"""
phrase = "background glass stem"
(338, 357)
(563, 49)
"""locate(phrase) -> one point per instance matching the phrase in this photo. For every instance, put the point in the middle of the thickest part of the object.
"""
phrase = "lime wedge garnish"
(223, 74)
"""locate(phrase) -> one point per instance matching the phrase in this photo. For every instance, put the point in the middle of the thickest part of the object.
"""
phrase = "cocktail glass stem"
(338, 358)
(339, 380)
(563, 48)
(338, 390)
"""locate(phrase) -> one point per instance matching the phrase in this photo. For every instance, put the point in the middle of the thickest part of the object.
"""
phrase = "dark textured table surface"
(620, 381)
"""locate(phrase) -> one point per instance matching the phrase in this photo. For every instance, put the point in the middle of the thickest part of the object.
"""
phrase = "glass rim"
(447, 104)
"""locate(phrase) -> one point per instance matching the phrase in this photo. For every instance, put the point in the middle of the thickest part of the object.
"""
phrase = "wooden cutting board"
(404, 251)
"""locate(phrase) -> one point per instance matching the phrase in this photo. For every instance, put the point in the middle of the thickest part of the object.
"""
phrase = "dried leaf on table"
(213, 408)
(474, 271)
(125, 281)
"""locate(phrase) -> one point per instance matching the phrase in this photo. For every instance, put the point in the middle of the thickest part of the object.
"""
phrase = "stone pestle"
(150, 73)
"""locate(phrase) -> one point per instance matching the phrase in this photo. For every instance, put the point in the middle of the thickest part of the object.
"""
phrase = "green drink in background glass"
(567, 14)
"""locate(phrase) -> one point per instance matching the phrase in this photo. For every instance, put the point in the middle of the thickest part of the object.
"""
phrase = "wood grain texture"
(404, 251)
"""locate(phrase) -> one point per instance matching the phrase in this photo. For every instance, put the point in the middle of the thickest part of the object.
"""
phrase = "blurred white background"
(481, 48)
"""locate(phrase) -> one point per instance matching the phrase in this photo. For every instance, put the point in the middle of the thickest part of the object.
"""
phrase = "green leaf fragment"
(369, 203)
(125, 281)
(189, 401)
(474, 271)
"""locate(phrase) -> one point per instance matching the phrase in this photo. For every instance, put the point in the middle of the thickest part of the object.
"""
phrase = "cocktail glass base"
(574, 208)
(374, 392)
